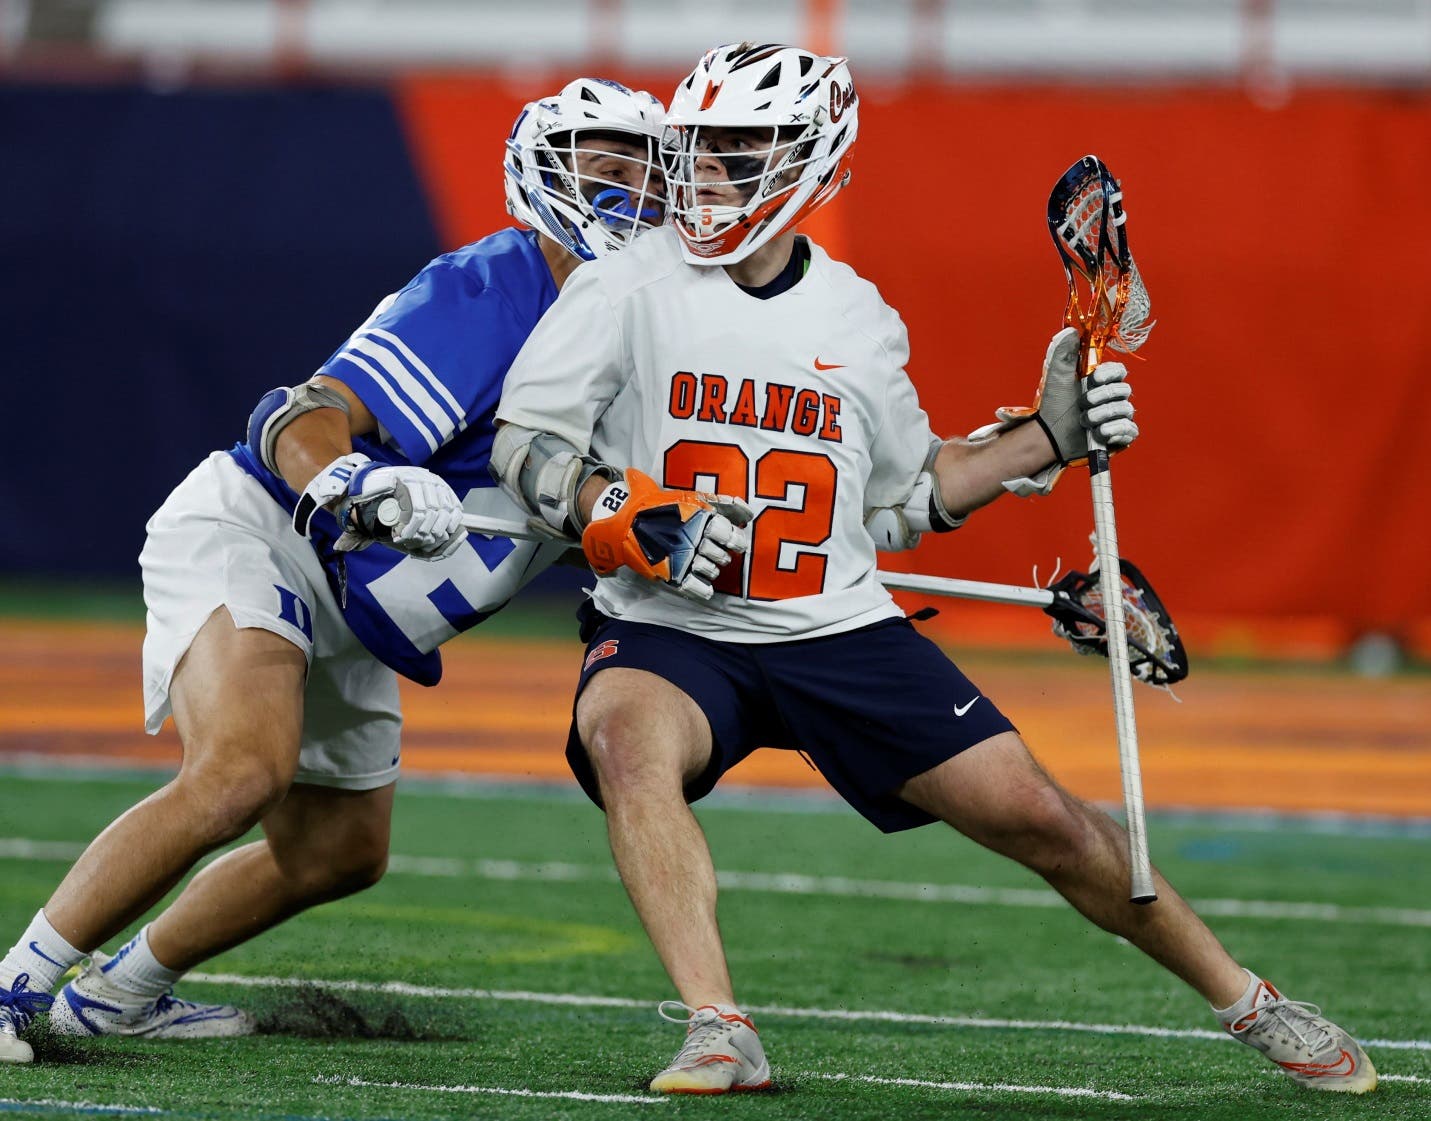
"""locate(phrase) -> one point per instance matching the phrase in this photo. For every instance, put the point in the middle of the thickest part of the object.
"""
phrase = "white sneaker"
(19, 1004)
(722, 1053)
(1312, 1050)
(91, 1004)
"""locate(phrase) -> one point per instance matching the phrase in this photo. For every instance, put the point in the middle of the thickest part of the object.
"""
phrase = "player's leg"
(320, 844)
(238, 708)
(646, 740)
(327, 838)
(643, 742)
(238, 705)
(998, 795)
(230, 592)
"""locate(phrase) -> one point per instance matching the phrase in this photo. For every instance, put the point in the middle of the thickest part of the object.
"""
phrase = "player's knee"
(1053, 829)
(363, 863)
(227, 800)
(347, 874)
(627, 758)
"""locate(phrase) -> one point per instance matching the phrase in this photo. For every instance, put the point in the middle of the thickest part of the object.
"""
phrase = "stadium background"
(200, 201)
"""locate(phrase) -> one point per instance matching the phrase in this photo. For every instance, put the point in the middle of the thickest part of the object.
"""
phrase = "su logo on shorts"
(606, 650)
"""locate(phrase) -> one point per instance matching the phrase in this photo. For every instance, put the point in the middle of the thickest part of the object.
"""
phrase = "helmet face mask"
(582, 167)
(756, 140)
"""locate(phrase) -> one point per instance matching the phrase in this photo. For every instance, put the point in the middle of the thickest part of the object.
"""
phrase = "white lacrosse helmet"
(548, 187)
(807, 101)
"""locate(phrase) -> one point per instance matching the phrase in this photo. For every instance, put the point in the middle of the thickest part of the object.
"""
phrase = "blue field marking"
(17, 1105)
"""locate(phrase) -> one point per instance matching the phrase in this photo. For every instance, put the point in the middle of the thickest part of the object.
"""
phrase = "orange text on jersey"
(777, 408)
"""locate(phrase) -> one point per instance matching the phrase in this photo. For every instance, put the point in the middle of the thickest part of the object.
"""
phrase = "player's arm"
(622, 518)
(1023, 452)
(305, 435)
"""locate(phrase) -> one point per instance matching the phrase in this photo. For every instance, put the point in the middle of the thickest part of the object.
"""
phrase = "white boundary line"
(404, 988)
(570, 1095)
(991, 1087)
(868, 1079)
(793, 883)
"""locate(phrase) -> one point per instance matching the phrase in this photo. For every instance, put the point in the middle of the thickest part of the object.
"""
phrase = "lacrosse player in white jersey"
(278, 656)
(755, 391)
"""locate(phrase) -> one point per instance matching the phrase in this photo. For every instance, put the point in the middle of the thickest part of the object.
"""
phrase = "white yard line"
(1401, 1078)
(795, 883)
(966, 1087)
(961, 1087)
(570, 1095)
(404, 988)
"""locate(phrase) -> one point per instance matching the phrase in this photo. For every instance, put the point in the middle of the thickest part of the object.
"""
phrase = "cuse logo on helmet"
(606, 650)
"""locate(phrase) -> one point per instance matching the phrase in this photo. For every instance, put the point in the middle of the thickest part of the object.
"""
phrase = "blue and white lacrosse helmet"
(582, 167)
(799, 113)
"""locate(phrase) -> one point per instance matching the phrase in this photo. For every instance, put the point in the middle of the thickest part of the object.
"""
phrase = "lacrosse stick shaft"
(1110, 579)
(966, 589)
(500, 527)
(895, 581)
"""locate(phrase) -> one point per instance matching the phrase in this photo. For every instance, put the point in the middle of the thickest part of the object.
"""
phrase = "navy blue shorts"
(871, 708)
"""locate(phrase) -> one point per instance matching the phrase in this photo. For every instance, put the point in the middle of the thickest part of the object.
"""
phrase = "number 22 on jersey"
(777, 475)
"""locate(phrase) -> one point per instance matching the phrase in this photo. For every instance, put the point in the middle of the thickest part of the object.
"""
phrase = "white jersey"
(798, 403)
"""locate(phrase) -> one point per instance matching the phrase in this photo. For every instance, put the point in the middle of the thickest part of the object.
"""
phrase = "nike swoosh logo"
(35, 949)
(828, 365)
(1345, 1065)
(960, 710)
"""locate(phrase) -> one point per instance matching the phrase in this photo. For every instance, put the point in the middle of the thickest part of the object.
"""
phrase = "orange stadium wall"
(1279, 496)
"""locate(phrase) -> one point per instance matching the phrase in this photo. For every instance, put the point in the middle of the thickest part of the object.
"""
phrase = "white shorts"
(219, 540)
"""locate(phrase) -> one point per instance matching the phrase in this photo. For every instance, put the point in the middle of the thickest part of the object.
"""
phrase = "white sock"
(42, 953)
(1246, 1002)
(135, 969)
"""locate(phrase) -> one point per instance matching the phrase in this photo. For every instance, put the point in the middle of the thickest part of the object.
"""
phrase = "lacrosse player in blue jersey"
(277, 652)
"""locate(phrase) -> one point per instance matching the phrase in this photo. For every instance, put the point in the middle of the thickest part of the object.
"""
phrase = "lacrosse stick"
(1086, 219)
(1075, 603)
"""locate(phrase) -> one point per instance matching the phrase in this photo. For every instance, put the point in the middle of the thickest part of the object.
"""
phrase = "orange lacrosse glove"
(680, 537)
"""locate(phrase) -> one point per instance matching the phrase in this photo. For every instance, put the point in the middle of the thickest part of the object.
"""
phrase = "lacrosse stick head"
(1107, 300)
(1155, 652)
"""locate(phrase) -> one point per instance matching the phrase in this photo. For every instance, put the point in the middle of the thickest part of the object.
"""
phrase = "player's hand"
(409, 508)
(680, 537)
(1068, 407)
(1106, 410)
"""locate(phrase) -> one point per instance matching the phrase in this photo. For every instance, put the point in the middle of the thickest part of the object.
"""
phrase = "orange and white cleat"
(1311, 1050)
(722, 1053)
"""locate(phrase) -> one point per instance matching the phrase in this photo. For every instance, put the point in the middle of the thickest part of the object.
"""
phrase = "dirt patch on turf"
(317, 1013)
(52, 1049)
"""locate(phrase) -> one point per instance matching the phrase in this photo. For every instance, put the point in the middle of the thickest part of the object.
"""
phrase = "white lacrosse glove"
(1067, 408)
(682, 538)
(897, 528)
(409, 508)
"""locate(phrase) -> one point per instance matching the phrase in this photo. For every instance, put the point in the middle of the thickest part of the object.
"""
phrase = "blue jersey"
(429, 364)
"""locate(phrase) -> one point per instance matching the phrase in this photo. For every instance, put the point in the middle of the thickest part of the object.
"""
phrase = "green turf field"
(912, 976)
